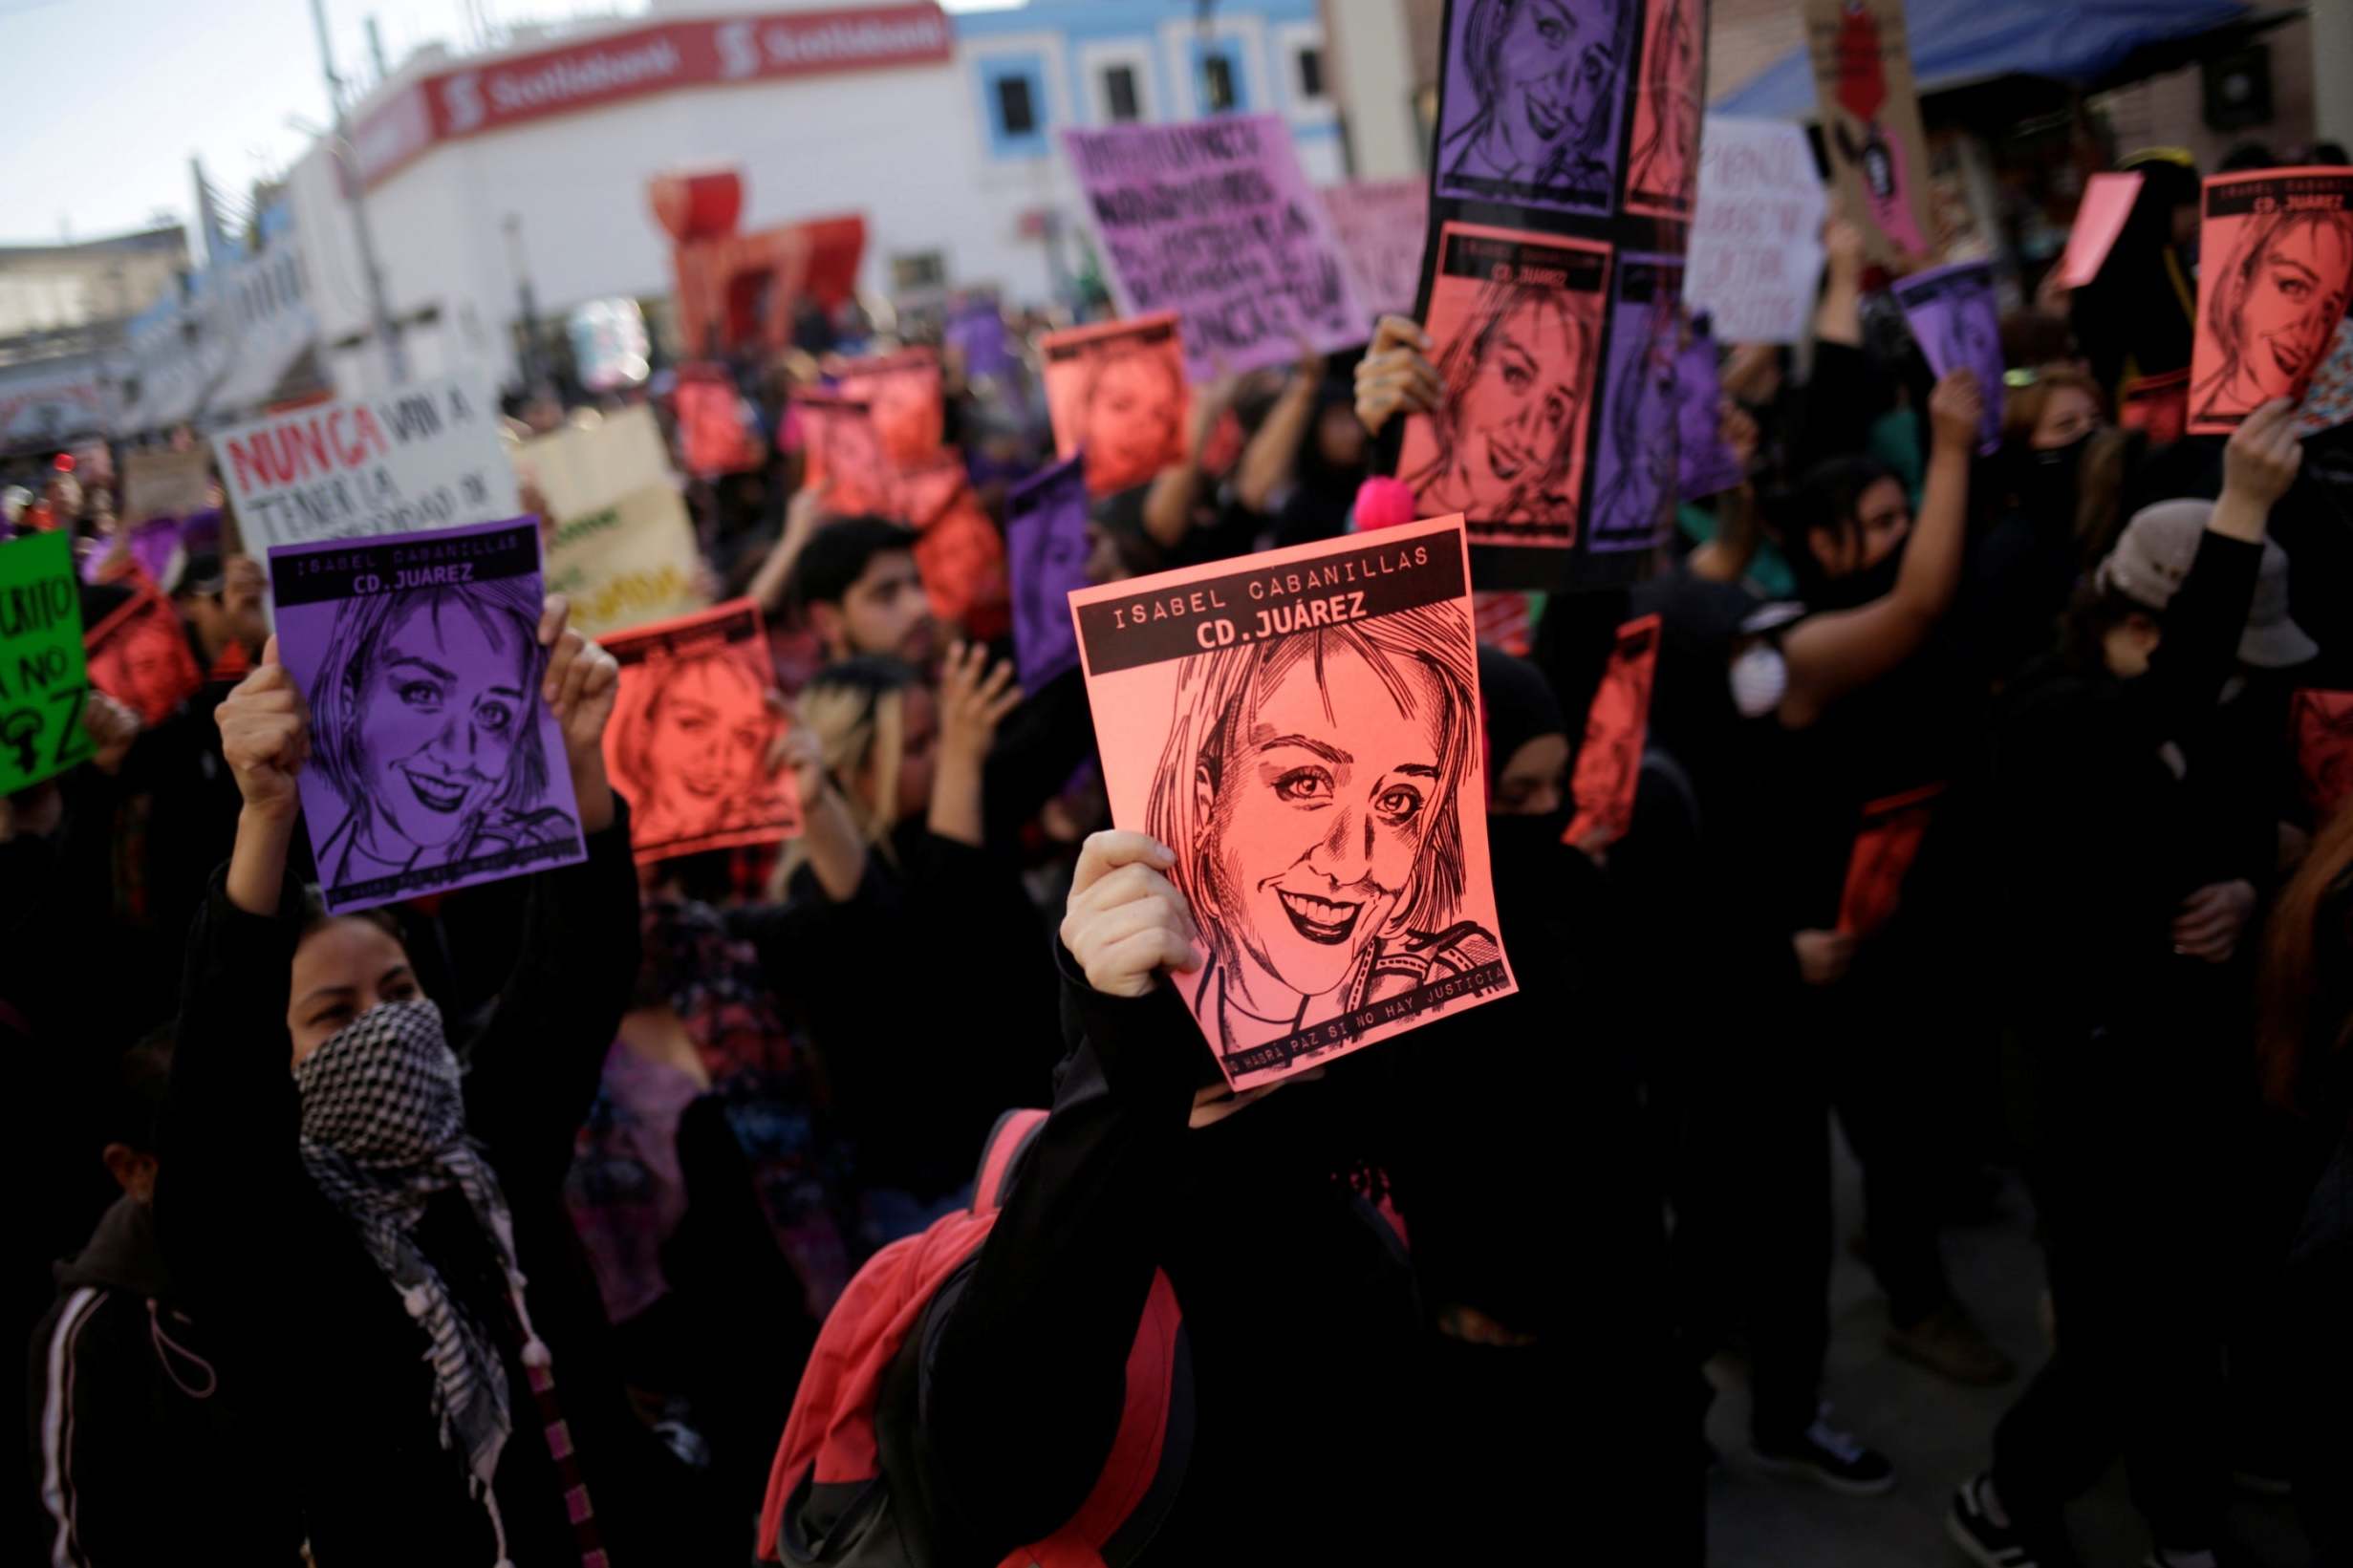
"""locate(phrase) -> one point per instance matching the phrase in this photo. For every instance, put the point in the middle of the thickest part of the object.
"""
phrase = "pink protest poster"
(1381, 224)
(841, 454)
(140, 656)
(1662, 171)
(1302, 727)
(1886, 844)
(2275, 263)
(2320, 725)
(902, 395)
(1516, 323)
(1211, 219)
(690, 735)
(434, 764)
(711, 433)
(1617, 726)
(2099, 218)
(1116, 391)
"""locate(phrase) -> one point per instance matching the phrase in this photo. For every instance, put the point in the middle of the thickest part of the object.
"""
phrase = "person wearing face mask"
(2129, 849)
(376, 1237)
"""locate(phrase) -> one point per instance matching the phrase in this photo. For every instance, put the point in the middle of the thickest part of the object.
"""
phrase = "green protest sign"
(43, 676)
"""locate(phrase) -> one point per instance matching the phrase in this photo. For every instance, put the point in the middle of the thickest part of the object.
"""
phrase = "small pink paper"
(2108, 201)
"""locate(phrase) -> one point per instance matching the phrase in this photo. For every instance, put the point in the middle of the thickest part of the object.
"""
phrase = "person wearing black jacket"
(357, 1236)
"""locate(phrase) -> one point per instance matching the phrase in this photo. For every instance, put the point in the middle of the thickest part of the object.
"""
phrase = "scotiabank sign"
(617, 66)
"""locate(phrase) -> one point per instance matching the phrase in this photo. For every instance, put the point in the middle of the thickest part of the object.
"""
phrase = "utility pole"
(528, 339)
(383, 327)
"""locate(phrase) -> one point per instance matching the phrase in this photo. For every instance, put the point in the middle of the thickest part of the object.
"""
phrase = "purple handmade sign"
(1046, 545)
(1533, 99)
(1957, 321)
(1211, 219)
(1634, 478)
(1707, 465)
(433, 762)
(976, 330)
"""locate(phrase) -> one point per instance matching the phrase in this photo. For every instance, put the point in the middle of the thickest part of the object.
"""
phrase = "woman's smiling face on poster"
(2294, 296)
(1556, 71)
(1327, 796)
(1131, 420)
(711, 732)
(1521, 404)
(438, 732)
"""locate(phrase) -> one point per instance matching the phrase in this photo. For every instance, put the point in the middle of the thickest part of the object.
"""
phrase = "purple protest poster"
(1957, 321)
(1635, 484)
(976, 330)
(433, 762)
(1046, 545)
(1707, 465)
(1533, 100)
(1211, 219)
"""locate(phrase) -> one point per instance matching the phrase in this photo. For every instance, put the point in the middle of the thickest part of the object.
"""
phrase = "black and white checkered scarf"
(383, 1131)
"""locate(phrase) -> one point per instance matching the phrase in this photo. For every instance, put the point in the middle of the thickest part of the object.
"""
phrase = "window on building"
(1218, 83)
(1311, 74)
(1016, 113)
(920, 272)
(1119, 98)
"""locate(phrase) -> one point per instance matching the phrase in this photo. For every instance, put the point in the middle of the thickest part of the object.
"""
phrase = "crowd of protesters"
(498, 1227)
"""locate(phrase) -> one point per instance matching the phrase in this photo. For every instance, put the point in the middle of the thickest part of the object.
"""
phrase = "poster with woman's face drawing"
(2321, 724)
(139, 656)
(1530, 107)
(1705, 462)
(1515, 320)
(1886, 844)
(1617, 727)
(1302, 727)
(1956, 320)
(1635, 429)
(690, 735)
(434, 764)
(1117, 391)
(1046, 545)
(841, 448)
(2275, 263)
(902, 395)
(1662, 161)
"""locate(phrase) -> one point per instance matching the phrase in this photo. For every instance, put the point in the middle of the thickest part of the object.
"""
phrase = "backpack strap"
(999, 1153)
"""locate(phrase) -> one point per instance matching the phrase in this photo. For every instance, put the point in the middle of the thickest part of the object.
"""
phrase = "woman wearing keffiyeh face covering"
(381, 1228)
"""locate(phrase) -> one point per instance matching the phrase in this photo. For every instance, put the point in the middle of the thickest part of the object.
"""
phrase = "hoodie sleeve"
(90, 1413)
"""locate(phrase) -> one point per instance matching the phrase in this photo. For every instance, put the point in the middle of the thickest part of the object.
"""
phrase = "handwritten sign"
(1381, 226)
(1213, 220)
(433, 765)
(1755, 260)
(1617, 726)
(1956, 319)
(1302, 727)
(582, 470)
(44, 674)
(690, 735)
(626, 564)
(2274, 268)
(165, 484)
(2099, 219)
(1870, 121)
(1046, 542)
(1117, 391)
(140, 656)
(423, 458)
(1634, 459)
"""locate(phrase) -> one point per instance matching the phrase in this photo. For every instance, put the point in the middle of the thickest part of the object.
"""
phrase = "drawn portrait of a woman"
(2274, 303)
(1665, 165)
(689, 746)
(1309, 786)
(1545, 78)
(1639, 440)
(1510, 430)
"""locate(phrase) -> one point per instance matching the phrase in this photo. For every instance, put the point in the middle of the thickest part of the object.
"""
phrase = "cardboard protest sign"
(712, 438)
(626, 564)
(2321, 724)
(690, 735)
(902, 396)
(1705, 462)
(426, 457)
(1870, 122)
(1046, 542)
(583, 470)
(1635, 474)
(165, 483)
(841, 449)
(1755, 262)
(44, 674)
(1532, 101)
(1516, 323)
(140, 656)
(2099, 218)
(433, 765)
(1117, 390)
(1213, 220)
(1886, 846)
(1381, 226)
(1617, 727)
(1662, 169)
(1302, 727)
(1956, 319)
(2274, 267)
(2158, 405)
(2328, 402)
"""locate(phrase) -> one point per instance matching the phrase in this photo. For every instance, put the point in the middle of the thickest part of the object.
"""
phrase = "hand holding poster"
(1870, 121)
(44, 675)
(2275, 263)
(1046, 538)
(1706, 464)
(1381, 226)
(1213, 220)
(1617, 727)
(1117, 391)
(434, 763)
(1755, 263)
(140, 656)
(165, 483)
(1635, 474)
(693, 735)
(1532, 101)
(2099, 219)
(1515, 320)
(1301, 729)
(1956, 319)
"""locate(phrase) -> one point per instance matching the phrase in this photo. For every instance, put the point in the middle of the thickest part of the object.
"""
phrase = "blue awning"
(1956, 42)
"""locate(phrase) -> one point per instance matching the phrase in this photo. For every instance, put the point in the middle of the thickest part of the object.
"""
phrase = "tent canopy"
(2085, 43)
